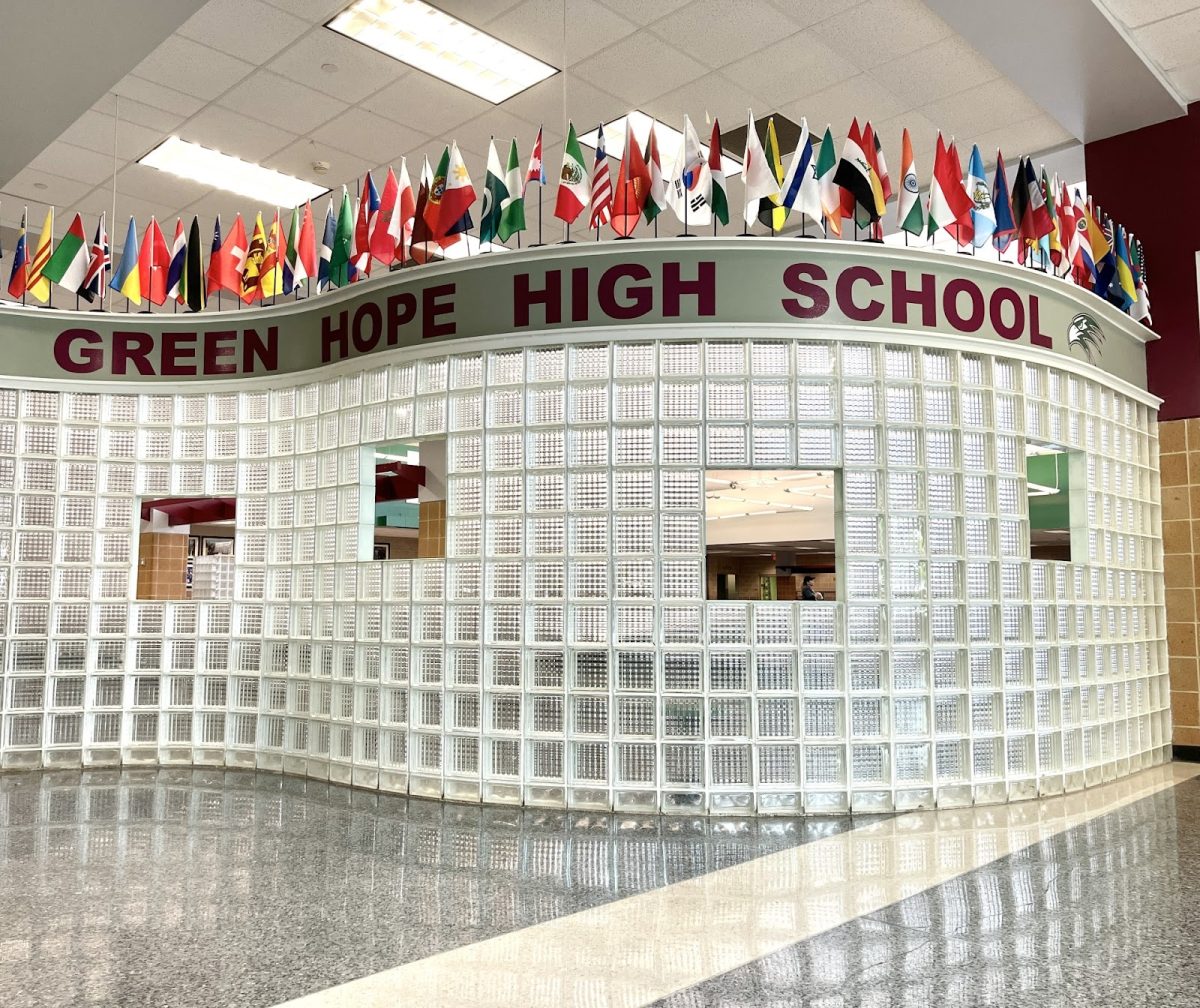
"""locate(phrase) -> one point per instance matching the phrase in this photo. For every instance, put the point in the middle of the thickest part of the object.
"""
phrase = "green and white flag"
(494, 194)
(831, 195)
(656, 199)
(339, 261)
(512, 208)
(69, 264)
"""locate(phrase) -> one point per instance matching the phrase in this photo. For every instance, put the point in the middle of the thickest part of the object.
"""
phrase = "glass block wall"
(563, 652)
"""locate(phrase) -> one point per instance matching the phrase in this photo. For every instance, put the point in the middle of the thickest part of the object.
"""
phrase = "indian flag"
(910, 216)
(69, 265)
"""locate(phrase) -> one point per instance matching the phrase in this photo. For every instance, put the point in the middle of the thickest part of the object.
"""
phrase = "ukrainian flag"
(127, 280)
(1125, 270)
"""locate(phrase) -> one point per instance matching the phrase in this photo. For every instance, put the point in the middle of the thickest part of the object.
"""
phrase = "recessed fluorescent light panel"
(667, 136)
(223, 171)
(431, 40)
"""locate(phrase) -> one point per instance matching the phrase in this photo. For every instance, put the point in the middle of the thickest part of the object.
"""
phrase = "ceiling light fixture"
(224, 171)
(667, 137)
(442, 46)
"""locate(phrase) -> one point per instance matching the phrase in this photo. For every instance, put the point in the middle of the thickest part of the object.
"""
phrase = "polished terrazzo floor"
(181, 888)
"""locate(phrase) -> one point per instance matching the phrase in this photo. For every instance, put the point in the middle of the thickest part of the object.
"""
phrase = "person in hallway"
(807, 591)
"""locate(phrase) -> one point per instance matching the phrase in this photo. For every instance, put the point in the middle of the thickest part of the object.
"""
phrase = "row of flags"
(1049, 227)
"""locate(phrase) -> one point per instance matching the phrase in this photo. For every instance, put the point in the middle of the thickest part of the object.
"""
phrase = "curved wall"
(563, 653)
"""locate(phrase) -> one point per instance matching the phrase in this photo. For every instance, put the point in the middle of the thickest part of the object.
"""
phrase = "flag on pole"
(98, 265)
(858, 180)
(574, 193)
(983, 214)
(69, 264)
(656, 199)
(1051, 243)
(495, 192)
(20, 265)
(601, 184)
(193, 270)
(368, 218)
(800, 191)
(879, 163)
(831, 194)
(536, 172)
(1141, 307)
(633, 186)
(408, 212)
(1002, 236)
(307, 252)
(454, 218)
(253, 264)
(178, 259)
(229, 259)
(718, 190)
(512, 206)
(128, 279)
(771, 212)
(293, 268)
(339, 261)
(1029, 210)
(686, 182)
(328, 238)
(270, 275)
(757, 176)
(212, 282)
(385, 235)
(154, 263)
(964, 230)
(910, 216)
(948, 200)
(1125, 288)
(38, 285)
(423, 248)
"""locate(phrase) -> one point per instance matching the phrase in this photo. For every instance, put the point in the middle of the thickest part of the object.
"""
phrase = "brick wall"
(162, 566)
(1179, 444)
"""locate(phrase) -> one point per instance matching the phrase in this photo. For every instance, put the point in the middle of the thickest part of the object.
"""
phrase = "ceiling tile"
(313, 11)
(754, 26)
(713, 95)
(922, 133)
(261, 30)
(428, 105)
(78, 163)
(981, 108)
(880, 30)
(95, 132)
(158, 96)
(536, 27)
(1028, 137)
(941, 69)
(586, 104)
(1187, 80)
(297, 160)
(61, 192)
(859, 97)
(639, 67)
(1135, 13)
(1174, 42)
(268, 97)
(809, 12)
(360, 70)
(195, 69)
(503, 126)
(641, 12)
(140, 182)
(772, 72)
(475, 12)
(138, 113)
(141, 210)
(233, 133)
(367, 136)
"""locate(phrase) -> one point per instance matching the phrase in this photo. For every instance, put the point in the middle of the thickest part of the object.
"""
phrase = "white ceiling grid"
(246, 77)
(1168, 34)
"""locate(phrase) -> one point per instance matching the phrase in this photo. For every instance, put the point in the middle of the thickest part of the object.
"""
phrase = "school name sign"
(628, 287)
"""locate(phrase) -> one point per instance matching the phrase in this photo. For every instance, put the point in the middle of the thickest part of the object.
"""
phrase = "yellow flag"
(39, 283)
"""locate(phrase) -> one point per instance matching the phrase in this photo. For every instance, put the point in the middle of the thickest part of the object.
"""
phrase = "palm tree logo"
(1084, 334)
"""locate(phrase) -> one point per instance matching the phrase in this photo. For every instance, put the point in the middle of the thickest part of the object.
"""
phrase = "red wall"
(1144, 180)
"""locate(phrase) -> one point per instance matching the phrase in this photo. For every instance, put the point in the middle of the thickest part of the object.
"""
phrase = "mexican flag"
(512, 207)
(69, 265)
(656, 200)
(573, 189)
(718, 196)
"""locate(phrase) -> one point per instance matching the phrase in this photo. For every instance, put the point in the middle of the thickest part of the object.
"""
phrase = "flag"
(910, 216)
(831, 196)
(512, 207)
(983, 214)
(800, 192)
(1052, 242)
(1141, 307)
(948, 200)
(771, 212)
(718, 192)
(1101, 239)
(193, 270)
(228, 259)
(253, 264)
(423, 248)
(339, 260)
(270, 274)
(686, 182)
(328, 237)
(1068, 226)
(128, 279)
(656, 198)
(408, 212)
(574, 193)
(177, 260)
(293, 268)
(154, 263)
(37, 284)
(450, 197)
(368, 217)
(98, 264)
(879, 163)
(20, 266)
(385, 235)
(760, 183)
(536, 172)
(1126, 288)
(1033, 220)
(601, 184)
(69, 264)
(633, 186)
(494, 194)
(964, 231)
(858, 179)
(1002, 236)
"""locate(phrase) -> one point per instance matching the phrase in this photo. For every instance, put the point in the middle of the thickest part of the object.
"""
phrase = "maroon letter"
(581, 302)
(550, 297)
(963, 323)
(256, 351)
(704, 287)
(366, 343)
(401, 309)
(331, 336)
(845, 294)
(132, 348)
(176, 359)
(1001, 296)
(86, 359)
(641, 299)
(1036, 336)
(903, 296)
(432, 307)
(797, 278)
(217, 345)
